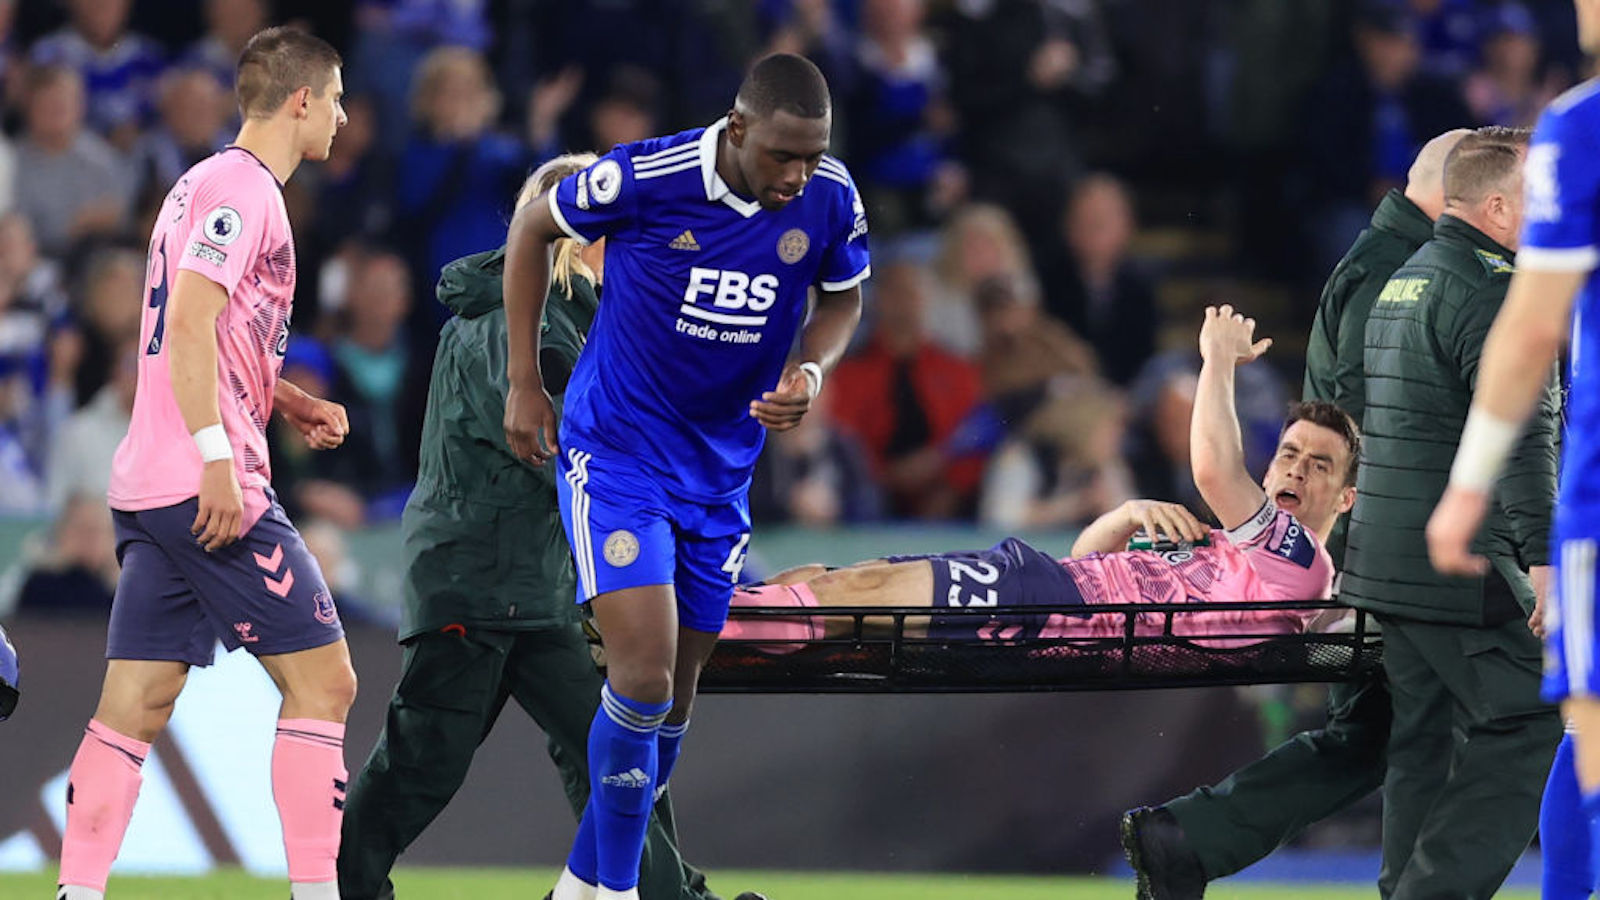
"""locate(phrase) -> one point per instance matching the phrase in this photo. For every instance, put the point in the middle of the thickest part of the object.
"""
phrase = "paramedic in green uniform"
(1470, 739)
(489, 585)
(1215, 831)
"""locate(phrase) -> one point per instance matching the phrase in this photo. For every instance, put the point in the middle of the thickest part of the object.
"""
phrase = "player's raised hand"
(530, 424)
(1229, 336)
(783, 407)
(221, 516)
(1451, 528)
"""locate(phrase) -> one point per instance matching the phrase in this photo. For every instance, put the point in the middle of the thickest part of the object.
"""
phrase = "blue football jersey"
(1561, 232)
(704, 294)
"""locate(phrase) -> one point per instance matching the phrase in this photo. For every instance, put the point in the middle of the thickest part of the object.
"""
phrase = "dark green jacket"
(1338, 334)
(484, 546)
(1423, 341)
(1334, 369)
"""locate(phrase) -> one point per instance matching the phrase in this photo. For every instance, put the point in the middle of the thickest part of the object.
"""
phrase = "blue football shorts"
(1569, 640)
(627, 531)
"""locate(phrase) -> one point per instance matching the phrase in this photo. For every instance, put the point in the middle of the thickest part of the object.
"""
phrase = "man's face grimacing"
(1307, 476)
(778, 154)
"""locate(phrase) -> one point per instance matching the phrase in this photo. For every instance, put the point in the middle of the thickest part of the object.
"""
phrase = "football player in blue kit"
(715, 239)
(1555, 291)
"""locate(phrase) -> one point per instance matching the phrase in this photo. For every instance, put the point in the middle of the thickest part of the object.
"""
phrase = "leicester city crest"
(621, 548)
(792, 246)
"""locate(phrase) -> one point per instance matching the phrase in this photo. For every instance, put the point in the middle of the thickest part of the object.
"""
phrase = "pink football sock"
(101, 790)
(308, 783)
(785, 632)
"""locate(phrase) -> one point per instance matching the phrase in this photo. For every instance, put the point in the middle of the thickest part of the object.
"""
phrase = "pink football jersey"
(1270, 557)
(225, 221)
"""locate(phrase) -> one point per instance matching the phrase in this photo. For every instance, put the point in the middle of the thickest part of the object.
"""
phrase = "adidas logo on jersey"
(685, 241)
(633, 778)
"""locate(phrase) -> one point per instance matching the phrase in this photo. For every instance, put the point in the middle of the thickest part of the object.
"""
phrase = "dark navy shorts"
(264, 592)
(1010, 576)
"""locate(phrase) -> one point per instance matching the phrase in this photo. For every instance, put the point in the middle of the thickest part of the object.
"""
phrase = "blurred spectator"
(355, 203)
(119, 67)
(78, 574)
(1064, 468)
(326, 541)
(899, 122)
(81, 449)
(458, 174)
(1023, 349)
(392, 39)
(814, 475)
(382, 383)
(70, 184)
(1365, 122)
(1158, 439)
(903, 396)
(1506, 89)
(979, 242)
(1020, 72)
(1162, 401)
(229, 26)
(1095, 287)
(108, 305)
(1449, 32)
(626, 113)
(195, 111)
(31, 298)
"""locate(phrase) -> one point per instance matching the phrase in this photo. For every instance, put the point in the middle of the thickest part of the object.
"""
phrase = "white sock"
(78, 892)
(571, 887)
(314, 890)
(606, 893)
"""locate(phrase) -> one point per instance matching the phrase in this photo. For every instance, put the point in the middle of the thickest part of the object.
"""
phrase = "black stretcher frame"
(899, 663)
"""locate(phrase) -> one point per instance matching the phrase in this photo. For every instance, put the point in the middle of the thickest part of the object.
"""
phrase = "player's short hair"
(1331, 417)
(785, 82)
(565, 260)
(279, 61)
(1482, 162)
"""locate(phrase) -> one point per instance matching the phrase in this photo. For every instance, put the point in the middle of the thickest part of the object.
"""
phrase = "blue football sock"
(622, 779)
(668, 740)
(582, 860)
(1564, 832)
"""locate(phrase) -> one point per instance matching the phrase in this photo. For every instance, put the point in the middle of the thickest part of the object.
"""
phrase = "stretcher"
(878, 653)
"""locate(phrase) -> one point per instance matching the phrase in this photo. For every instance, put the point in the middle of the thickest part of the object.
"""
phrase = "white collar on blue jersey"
(716, 188)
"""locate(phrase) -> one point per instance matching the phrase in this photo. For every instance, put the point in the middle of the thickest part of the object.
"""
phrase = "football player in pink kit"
(206, 551)
(1271, 547)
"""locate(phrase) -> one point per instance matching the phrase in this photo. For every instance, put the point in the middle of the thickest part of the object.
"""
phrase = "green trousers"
(1304, 780)
(1469, 751)
(451, 691)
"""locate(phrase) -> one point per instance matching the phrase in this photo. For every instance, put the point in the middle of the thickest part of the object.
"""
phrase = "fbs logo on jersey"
(733, 295)
(621, 548)
(223, 225)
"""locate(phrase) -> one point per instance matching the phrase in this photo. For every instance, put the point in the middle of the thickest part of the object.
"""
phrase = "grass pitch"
(525, 884)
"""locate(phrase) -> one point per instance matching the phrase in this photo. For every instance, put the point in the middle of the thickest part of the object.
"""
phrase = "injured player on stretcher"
(1270, 546)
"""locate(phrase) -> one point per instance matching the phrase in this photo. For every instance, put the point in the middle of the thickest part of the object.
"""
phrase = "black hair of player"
(778, 130)
(784, 82)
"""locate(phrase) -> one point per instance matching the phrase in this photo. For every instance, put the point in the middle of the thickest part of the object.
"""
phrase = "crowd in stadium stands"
(1015, 367)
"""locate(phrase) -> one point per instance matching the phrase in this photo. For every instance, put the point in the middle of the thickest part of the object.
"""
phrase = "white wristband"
(1485, 443)
(213, 443)
(814, 375)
